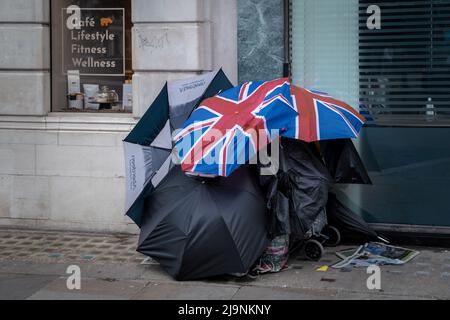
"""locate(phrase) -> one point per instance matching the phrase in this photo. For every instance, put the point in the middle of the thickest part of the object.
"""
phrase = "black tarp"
(198, 228)
(298, 193)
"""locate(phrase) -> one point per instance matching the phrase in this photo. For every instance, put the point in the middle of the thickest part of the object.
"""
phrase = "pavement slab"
(20, 287)
(91, 289)
(263, 293)
(181, 291)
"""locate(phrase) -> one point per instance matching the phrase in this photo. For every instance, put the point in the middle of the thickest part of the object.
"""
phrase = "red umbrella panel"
(321, 117)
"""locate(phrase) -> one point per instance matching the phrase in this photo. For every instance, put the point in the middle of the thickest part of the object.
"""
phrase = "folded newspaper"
(374, 253)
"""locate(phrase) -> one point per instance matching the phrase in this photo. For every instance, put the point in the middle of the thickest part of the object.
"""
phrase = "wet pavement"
(34, 265)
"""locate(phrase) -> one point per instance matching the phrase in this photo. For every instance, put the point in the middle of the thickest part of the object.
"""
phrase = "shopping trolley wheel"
(333, 235)
(313, 250)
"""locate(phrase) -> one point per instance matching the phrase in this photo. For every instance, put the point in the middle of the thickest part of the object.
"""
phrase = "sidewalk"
(33, 265)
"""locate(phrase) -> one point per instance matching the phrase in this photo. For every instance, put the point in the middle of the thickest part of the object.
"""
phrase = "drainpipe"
(287, 37)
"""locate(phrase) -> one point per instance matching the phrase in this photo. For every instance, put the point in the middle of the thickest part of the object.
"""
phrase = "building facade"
(63, 168)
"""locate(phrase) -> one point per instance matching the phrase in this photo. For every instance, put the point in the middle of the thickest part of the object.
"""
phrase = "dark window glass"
(405, 64)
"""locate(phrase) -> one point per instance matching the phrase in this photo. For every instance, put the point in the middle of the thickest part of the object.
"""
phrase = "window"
(324, 47)
(397, 73)
(91, 56)
(405, 64)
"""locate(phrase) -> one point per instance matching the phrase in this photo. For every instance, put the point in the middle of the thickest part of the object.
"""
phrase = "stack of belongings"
(304, 212)
(195, 183)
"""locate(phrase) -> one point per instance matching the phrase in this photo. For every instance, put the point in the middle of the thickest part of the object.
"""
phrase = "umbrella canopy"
(228, 130)
(321, 117)
(148, 147)
(198, 228)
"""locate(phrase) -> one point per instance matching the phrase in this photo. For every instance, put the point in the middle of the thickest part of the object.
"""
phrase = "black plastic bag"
(343, 162)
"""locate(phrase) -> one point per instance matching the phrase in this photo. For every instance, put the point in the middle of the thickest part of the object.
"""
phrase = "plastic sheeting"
(298, 193)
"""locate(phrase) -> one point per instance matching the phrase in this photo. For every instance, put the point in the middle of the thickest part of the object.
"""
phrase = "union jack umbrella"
(228, 130)
(321, 117)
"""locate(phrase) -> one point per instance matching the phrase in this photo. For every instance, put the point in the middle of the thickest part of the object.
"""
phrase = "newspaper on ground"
(374, 253)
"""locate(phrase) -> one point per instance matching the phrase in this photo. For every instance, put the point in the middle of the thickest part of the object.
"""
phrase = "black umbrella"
(349, 223)
(198, 228)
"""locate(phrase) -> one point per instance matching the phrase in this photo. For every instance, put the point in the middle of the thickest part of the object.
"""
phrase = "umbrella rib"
(231, 235)
(235, 248)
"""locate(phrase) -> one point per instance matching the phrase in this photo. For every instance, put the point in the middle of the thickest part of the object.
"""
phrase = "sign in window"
(91, 56)
(93, 41)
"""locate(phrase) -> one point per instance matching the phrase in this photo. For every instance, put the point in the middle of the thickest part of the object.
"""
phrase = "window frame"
(56, 108)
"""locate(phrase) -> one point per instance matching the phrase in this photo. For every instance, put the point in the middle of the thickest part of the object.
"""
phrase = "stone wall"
(179, 39)
(24, 57)
(261, 39)
(66, 171)
(63, 172)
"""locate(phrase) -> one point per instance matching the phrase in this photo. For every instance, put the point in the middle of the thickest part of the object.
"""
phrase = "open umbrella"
(228, 130)
(198, 228)
(333, 123)
(321, 117)
(148, 147)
